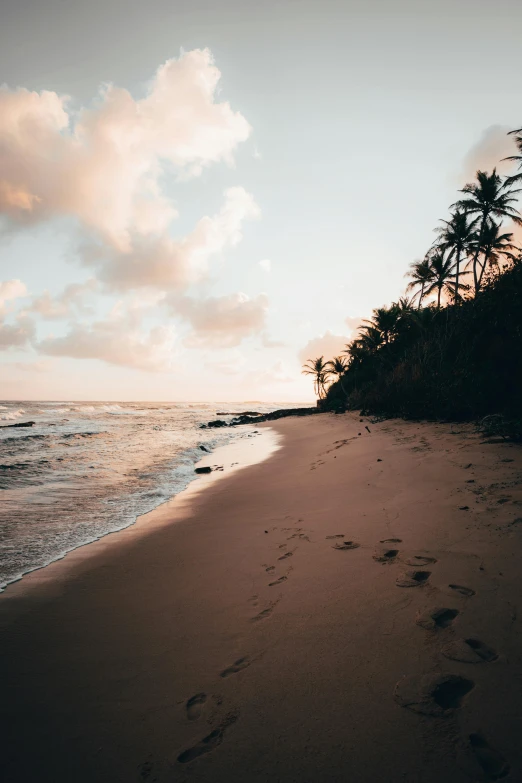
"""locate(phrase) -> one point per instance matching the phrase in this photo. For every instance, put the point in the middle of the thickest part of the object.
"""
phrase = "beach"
(342, 605)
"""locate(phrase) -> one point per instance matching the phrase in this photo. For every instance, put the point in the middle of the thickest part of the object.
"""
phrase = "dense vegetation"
(452, 346)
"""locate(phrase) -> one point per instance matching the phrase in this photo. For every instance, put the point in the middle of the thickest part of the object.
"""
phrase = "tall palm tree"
(443, 276)
(385, 320)
(516, 158)
(496, 246)
(420, 274)
(457, 235)
(337, 367)
(319, 369)
(487, 198)
(371, 339)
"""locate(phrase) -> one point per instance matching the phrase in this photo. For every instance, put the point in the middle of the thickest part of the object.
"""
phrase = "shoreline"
(270, 630)
(173, 508)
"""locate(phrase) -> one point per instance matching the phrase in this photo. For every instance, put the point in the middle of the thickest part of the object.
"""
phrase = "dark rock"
(203, 448)
(379, 460)
(203, 470)
(246, 418)
(241, 413)
(20, 424)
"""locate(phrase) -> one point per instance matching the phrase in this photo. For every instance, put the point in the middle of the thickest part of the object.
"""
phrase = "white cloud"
(354, 322)
(9, 290)
(266, 265)
(116, 342)
(70, 302)
(104, 165)
(493, 145)
(222, 321)
(15, 335)
(163, 262)
(327, 345)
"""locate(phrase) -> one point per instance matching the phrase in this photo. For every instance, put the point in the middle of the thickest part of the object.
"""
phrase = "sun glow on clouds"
(104, 166)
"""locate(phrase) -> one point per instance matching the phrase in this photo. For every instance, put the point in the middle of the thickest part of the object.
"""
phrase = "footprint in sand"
(469, 651)
(194, 706)
(287, 555)
(347, 545)
(265, 613)
(386, 556)
(339, 535)
(270, 569)
(391, 541)
(467, 591)
(440, 617)
(430, 694)
(208, 743)
(420, 560)
(413, 578)
(278, 581)
(236, 667)
(492, 762)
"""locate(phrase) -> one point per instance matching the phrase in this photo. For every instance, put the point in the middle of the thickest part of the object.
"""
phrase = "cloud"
(274, 374)
(9, 290)
(327, 345)
(104, 164)
(487, 153)
(229, 363)
(42, 366)
(16, 335)
(167, 263)
(269, 343)
(266, 265)
(222, 321)
(116, 342)
(65, 305)
(353, 322)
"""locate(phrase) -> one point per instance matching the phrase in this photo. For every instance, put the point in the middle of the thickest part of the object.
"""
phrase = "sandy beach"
(345, 610)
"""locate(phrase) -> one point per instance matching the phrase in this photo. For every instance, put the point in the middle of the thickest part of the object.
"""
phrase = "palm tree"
(487, 198)
(385, 320)
(371, 339)
(456, 236)
(516, 158)
(319, 369)
(420, 274)
(496, 246)
(337, 367)
(443, 276)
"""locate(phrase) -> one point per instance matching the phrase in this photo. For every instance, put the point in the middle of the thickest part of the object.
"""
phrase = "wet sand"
(346, 610)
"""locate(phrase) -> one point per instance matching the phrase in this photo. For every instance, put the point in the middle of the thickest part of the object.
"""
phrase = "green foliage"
(459, 357)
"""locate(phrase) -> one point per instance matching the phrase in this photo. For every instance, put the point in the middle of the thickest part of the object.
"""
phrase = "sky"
(196, 197)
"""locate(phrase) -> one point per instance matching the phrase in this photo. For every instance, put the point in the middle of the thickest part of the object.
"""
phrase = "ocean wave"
(12, 415)
(73, 435)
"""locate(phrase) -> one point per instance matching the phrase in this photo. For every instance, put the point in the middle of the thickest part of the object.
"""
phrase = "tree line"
(473, 266)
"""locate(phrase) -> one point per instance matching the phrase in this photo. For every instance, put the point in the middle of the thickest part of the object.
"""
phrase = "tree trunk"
(438, 297)
(456, 299)
(477, 253)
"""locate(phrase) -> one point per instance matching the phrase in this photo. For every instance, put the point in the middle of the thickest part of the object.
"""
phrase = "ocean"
(87, 469)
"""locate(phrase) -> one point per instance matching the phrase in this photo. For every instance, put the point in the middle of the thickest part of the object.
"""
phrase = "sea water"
(87, 469)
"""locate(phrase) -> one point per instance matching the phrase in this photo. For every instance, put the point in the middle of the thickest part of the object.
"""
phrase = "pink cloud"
(164, 262)
(70, 302)
(328, 345)
(487, 153)
(105, 167)
(222, 321)
(116, 342)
